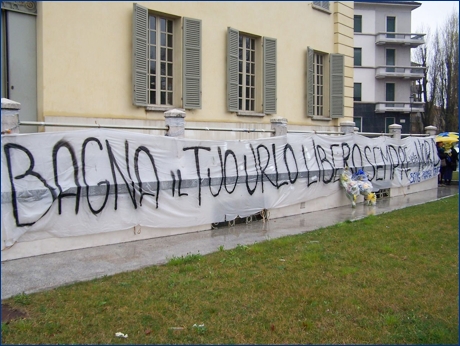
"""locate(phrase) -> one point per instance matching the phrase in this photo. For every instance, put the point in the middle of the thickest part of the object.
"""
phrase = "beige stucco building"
(227, 64)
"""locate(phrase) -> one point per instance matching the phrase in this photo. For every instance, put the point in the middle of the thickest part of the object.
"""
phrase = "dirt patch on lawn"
(9, 313)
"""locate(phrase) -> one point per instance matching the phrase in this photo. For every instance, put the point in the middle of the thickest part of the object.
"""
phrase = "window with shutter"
(317, 100)
(251, 89)
(154, 39)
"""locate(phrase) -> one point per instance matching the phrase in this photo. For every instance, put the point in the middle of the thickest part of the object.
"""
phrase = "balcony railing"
(399, 106)
(399, 38)
(406, 72)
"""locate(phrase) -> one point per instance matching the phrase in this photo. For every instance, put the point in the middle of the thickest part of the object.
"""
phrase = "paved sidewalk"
(45, 272)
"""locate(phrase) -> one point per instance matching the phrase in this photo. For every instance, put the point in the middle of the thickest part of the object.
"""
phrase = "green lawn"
(385, 279)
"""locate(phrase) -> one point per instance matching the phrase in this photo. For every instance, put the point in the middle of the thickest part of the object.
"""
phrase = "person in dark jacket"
(442, 158)
(451, 165)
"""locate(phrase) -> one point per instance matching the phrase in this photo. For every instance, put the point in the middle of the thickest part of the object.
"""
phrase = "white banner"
(86, 182)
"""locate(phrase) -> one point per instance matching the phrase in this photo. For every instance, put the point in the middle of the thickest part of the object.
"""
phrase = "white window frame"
(394, 92)
(163, 89)
(247, 80)
(360, 92)
(389, 69)
(318, 84)
(354, 17)
(263, 78)
(361, 60)
(393, 33)
(186, 59)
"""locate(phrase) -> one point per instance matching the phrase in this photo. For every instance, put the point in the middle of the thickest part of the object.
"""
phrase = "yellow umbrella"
(446, 140)
(447, 137)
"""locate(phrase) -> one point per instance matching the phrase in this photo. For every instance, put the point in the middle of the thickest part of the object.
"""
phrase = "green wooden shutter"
(232, 69)
(191, 82)
(140, 20)
(310, 57)
(269, 75)
(336, 63)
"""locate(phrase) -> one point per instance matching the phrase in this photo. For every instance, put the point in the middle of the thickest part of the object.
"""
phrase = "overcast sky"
(432, 14)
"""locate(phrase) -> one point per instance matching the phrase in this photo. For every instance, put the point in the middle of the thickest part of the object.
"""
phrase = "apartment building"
(384, 75)
(225, 64)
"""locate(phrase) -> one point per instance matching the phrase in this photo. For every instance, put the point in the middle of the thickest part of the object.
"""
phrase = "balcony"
(401, 107)
(399, 39)
(406, 72)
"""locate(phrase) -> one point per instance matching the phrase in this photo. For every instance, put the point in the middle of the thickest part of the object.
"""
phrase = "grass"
(385, 279)
(455, 175)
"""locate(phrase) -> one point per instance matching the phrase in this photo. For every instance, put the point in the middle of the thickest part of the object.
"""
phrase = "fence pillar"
(280, 126)
(395, 130)
(347, 127)
(175, 120)
(431, 130)
(10, 116)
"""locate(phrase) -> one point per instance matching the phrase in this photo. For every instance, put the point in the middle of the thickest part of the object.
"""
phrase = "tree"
(449, 82)
(422, 55)
(439, 86)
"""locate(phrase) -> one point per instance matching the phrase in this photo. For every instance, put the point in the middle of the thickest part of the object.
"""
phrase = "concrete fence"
(175, 125)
